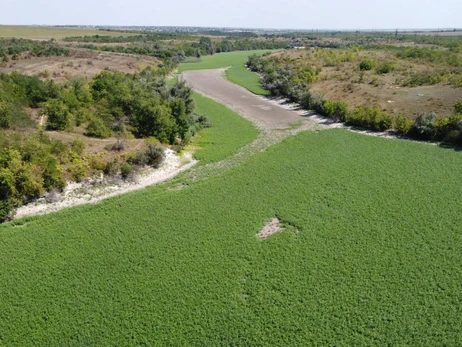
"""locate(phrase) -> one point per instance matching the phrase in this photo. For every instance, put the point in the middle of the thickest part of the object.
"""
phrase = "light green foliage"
(59, 117)
(335, 109)
(229, 132)
(370, 118)
(97, 128)
(403, 124)
(370, 255)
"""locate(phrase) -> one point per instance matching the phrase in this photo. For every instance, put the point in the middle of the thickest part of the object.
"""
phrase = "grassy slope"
(237, 72)
(228, 133)
(376, 260)
(46, 33)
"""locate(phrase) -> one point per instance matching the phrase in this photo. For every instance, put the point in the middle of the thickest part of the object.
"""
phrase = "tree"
(59, 117)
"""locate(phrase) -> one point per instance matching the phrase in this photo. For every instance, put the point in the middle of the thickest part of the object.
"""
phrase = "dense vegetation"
(117, 104)
(292, 79)
(370, 255)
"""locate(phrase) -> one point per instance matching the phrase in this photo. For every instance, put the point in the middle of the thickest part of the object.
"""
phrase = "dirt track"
(266, 114)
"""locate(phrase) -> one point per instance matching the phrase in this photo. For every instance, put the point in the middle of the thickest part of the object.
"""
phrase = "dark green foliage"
(6, 116)
(385, 68)
(367, 65)
(97, 128)
(458, 108)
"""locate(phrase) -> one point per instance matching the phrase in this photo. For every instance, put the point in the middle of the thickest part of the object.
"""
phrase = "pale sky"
(289, 14)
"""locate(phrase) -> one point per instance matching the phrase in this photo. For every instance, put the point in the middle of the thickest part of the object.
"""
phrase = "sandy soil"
(95, 191)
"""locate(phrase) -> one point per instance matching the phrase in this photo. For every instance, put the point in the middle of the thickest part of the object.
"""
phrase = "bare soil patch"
(270, 228)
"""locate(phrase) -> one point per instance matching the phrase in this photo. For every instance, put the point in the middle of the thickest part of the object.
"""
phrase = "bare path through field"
(264, 113)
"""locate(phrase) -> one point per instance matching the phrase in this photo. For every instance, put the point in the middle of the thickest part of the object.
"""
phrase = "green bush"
(59, 117)
(370, 118)
(367, 65)
(97, 128)
(125, 170)
(403, 124)
(5, 115)
(335, 109)
(385, 68)
(458, 107)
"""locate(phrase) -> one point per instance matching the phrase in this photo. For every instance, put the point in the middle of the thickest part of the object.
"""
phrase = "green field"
(228, 133)
(47, 33)
(237, 72)
(371, 255)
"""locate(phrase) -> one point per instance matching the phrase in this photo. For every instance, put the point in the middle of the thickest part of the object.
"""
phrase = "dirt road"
(266, 114)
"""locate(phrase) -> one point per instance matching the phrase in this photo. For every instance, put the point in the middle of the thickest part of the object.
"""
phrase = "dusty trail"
(264, 113)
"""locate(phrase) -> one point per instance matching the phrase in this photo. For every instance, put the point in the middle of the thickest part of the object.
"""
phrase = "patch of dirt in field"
(81, 63)
(270, 228)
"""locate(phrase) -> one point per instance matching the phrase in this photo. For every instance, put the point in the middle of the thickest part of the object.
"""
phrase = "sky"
(287, 14)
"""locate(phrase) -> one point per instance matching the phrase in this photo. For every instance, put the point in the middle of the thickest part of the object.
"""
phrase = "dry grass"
(81, 63)
(342, 81)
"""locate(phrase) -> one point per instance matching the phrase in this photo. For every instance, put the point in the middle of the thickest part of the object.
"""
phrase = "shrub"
(125, 170)
(97, 128)
(370, 118)
(59, 117)
(458, 107)
(155, 155)
(424, 126)
(5, 115)
(385, 68)
(403, 124)
(367, 65)
(335, 109)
